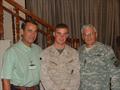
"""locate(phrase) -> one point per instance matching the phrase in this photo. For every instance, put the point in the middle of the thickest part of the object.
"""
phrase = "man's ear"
(96, 34)
(83, 37)
(53, 33)
(67, 35)
(21, 31)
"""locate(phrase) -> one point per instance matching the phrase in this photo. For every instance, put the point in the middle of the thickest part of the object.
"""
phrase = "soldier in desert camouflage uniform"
(97, 63)
(60, 63)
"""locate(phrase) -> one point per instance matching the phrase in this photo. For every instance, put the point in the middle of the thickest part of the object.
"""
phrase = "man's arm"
(7, 68)
(114, 71)
(45, 79)
(115, 78)
(6, 84)
(75, 79)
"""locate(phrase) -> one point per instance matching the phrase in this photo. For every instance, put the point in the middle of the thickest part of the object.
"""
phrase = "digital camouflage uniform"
(97, 68)
(60, 71)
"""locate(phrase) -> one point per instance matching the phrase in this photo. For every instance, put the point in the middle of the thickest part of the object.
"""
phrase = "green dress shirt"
(21, 64)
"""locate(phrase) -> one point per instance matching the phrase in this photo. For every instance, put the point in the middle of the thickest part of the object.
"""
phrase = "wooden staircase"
(16, 23)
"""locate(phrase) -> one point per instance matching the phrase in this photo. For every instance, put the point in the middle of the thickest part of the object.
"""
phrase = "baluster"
(13, 29)
(1, 21)
(17, 25)
(49, 37)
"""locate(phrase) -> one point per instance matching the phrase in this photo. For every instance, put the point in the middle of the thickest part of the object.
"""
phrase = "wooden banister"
(40, 21)
(28, 13)
(16, 15)
(47, 33)
(13, 13)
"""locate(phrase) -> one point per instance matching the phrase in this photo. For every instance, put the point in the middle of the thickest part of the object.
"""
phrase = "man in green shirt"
(21, 62)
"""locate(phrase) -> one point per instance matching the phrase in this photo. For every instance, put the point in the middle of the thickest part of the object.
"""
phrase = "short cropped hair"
(88, 26)
(28, 21)
(61, 25)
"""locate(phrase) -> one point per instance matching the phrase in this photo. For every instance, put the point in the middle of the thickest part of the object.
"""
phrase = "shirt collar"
(65, 51)
(25, 47)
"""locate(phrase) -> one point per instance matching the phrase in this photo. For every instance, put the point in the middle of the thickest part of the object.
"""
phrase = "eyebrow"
(88, 33)
(32, 30)
(60, 32)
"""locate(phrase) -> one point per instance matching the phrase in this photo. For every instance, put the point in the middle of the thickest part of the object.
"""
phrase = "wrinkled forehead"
(88, 27)
(88, 30)
(30, 25)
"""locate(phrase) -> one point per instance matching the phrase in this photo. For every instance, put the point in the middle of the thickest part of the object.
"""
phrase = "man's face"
(29, 33)
(89, 36)
(61, 35)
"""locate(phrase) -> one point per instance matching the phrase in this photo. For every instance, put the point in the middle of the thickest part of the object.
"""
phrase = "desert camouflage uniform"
(97, 68)
(60, 71)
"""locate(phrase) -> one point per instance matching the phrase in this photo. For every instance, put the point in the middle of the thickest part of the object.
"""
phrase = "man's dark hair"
(28, 21)
(61, 25)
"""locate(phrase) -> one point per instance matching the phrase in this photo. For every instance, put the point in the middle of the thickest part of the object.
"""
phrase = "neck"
(27, 44)
(89, 46)
(59, 46)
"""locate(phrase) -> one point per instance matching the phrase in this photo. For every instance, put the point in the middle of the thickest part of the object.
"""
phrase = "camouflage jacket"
(97, 68)
(60, 71)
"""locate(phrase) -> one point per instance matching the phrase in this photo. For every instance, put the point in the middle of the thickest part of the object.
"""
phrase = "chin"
(31, 42)
(60, 43)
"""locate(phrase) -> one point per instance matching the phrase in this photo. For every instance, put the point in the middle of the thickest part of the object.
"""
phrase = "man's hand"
(6, 84)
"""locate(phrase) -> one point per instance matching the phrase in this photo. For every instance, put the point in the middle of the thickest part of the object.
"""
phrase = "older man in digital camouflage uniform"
(60, 63)
(97, 63)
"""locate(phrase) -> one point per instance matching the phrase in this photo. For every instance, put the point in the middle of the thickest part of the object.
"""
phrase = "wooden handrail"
(41, 21)
(74, 42)
(13, 13)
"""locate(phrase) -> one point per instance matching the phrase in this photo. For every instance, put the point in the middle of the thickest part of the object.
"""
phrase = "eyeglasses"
(89, 34)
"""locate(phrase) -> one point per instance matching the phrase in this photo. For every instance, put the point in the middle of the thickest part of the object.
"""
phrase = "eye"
(29, 30)
(58, 33)
(62, 34)
(89, 34)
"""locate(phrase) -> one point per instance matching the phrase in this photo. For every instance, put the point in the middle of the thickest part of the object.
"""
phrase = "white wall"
(8, 33)
(4, 44)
